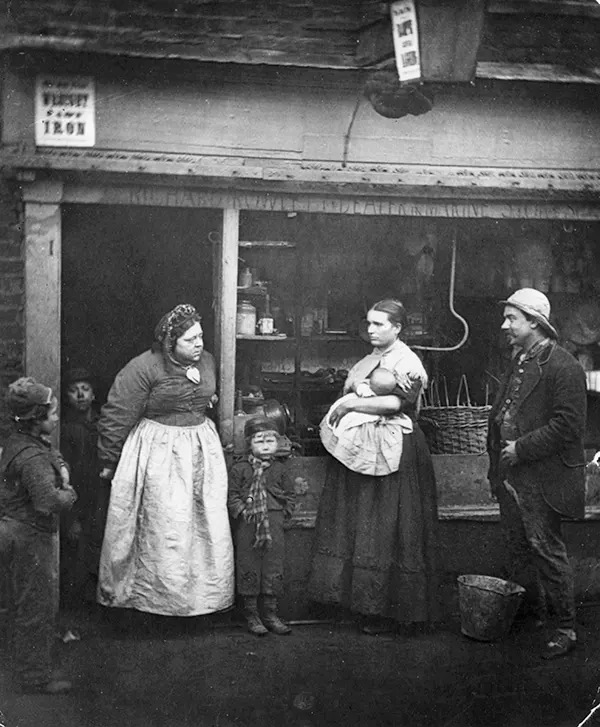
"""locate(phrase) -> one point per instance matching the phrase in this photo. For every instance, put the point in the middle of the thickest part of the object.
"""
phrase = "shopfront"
(314, 271)
(180, 201)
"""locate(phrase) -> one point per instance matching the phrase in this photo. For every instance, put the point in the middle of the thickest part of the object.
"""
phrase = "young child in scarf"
(261, 498)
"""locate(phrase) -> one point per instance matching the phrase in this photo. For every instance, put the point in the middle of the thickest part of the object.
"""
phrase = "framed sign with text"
(65, 110)
(406, 40)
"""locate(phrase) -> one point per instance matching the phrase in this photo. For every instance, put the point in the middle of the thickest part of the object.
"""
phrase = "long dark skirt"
(375, 539)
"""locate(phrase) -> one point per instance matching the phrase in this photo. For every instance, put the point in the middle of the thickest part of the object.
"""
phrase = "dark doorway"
(122, 268)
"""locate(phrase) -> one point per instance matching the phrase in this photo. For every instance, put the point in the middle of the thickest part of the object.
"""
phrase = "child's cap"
(76, 374)
(24, 397)
(259, 424)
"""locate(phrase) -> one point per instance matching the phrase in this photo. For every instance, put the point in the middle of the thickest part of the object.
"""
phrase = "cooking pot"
(278, 413)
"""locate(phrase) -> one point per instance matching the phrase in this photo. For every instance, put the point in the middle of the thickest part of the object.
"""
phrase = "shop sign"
(406, 39)
(151, 196)
(65, 110)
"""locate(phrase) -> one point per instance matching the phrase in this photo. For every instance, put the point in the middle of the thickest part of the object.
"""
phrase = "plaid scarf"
(256, 511)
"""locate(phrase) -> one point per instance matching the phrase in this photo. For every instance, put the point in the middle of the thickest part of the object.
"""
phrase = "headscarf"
(174, 320)
(25, 397)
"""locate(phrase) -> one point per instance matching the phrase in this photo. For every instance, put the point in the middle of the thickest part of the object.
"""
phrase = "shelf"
(252, 290)
(304, 387)
(307, 384)
(280, 244)
(318, 337)
(329, 337)
(244, 337)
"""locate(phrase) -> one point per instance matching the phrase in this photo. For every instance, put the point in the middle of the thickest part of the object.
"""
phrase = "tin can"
(265, 326)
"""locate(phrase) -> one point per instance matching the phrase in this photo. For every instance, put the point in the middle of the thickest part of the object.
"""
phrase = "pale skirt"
(167, 545)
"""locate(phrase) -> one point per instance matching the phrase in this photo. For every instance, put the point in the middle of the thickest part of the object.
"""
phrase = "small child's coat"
(261, 498)
(260, 570)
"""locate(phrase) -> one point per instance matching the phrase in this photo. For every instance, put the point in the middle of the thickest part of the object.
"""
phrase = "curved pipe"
(451, 306)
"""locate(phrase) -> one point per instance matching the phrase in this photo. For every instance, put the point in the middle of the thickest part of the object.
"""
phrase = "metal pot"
(278, 413)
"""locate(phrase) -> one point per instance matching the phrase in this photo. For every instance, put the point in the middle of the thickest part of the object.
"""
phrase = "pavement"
(209, 672)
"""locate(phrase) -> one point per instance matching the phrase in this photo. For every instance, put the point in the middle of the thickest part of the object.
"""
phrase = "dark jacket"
(33, 485)
(278, 483)
(550, 420)
(153, 387)
(79, 447)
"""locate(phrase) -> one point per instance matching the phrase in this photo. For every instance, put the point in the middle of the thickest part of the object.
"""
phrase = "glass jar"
(246, 318)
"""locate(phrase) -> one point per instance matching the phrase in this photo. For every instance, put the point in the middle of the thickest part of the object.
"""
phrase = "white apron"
(167, 545)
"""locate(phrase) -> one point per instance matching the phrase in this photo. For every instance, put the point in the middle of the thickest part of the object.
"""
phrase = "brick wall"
(12, 285)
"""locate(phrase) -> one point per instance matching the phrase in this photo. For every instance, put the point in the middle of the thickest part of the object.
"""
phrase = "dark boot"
(271, 619)
(255, 625)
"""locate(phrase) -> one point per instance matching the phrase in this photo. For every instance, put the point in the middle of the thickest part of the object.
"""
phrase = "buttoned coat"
(550, 419)
(278, 483)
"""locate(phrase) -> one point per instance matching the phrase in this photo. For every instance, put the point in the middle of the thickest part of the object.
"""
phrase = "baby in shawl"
(370, 444)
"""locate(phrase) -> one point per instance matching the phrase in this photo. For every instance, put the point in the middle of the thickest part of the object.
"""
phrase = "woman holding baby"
(375, 531)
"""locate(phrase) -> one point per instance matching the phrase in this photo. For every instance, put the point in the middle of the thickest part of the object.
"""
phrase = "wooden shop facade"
(270, 192)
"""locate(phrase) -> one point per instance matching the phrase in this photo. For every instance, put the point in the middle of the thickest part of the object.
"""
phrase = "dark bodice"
(150, 386)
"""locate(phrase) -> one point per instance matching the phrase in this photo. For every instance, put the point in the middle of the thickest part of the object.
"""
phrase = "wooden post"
(226, 280)
(42, 293)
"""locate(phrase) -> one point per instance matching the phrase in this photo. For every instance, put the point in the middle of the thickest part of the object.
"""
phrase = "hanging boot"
(255, 625)
(270, 618)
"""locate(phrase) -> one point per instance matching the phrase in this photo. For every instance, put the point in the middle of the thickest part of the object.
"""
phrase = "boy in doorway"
(83, 529)
(261, 498)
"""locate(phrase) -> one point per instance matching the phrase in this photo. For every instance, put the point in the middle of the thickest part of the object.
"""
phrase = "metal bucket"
(488, 606)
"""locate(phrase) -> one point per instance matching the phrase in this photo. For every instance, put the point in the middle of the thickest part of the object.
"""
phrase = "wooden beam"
(165, 50)
(293, 177)
(582, 8)
(541, 72)
(375, 44)
(449, 33)
(450, 36)
(42, 294)
(226, 269)
(502, 205)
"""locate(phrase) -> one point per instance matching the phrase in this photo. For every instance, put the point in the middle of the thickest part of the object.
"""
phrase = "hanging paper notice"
(406, 39)
(65, 110)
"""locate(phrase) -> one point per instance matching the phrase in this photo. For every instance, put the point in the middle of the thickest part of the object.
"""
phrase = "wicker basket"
(460, 429)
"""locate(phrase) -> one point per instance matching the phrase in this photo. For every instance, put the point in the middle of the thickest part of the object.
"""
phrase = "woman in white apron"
(167, 545)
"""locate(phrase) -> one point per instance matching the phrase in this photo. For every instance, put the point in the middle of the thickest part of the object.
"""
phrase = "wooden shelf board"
(252, 290)
(244, 337)
(281, 244)
(329, 337)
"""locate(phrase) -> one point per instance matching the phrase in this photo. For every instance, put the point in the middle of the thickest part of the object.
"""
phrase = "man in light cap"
(537, 461)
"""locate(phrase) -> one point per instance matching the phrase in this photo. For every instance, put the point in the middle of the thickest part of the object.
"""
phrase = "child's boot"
(255, 625)
(271, 619)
